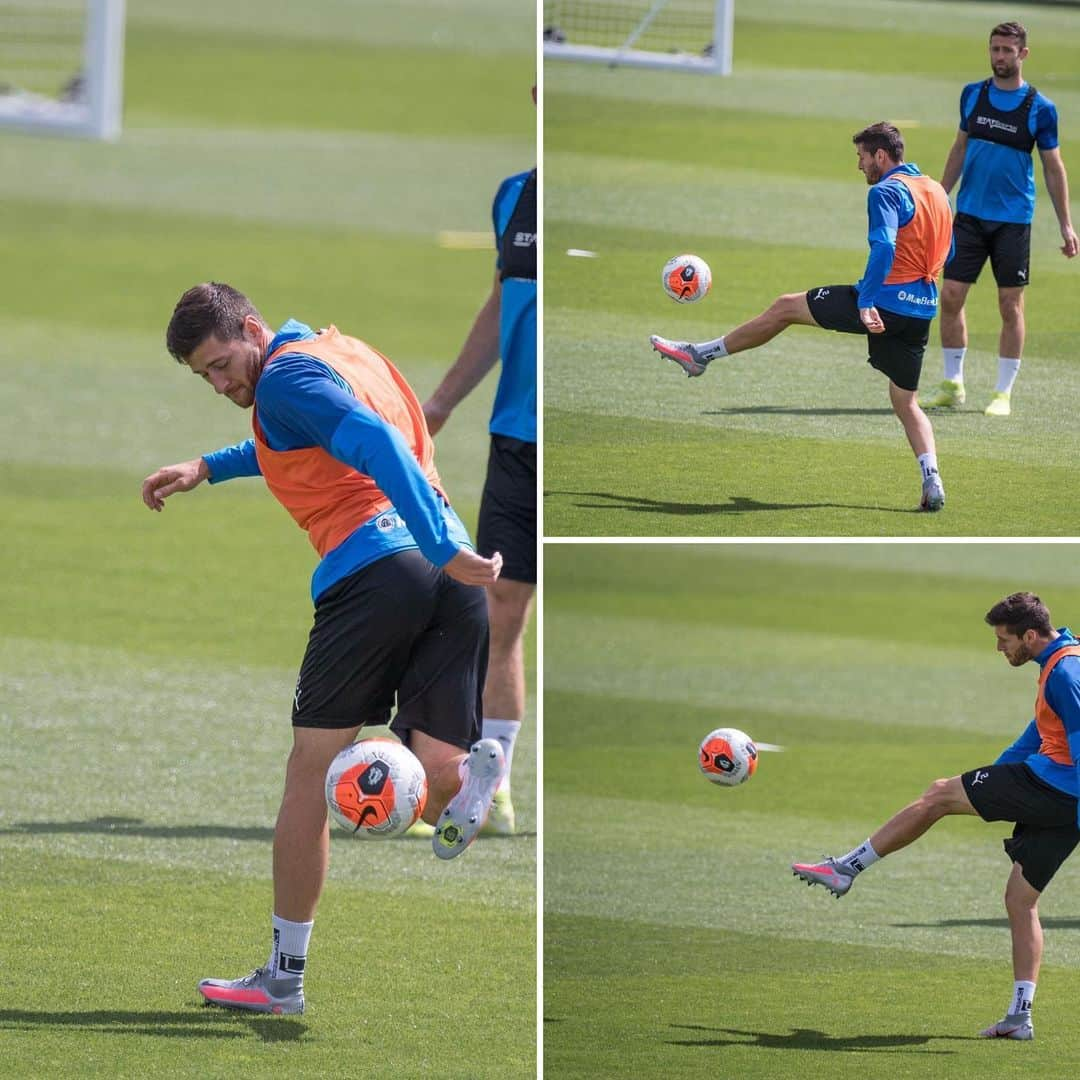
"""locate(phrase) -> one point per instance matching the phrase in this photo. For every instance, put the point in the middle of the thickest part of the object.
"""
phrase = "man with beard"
(1002, 119)
(910, 236)
(1033, 783)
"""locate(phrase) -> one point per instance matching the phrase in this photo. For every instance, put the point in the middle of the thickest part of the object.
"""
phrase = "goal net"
(61, 66)
(692, 35)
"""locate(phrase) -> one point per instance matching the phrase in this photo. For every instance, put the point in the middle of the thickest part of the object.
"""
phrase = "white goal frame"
(97, 115)
(626, 55)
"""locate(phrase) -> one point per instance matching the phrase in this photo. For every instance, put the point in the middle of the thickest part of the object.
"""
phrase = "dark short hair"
(1020, 612)
(205, 310)
(1013, 30)
(881, 136)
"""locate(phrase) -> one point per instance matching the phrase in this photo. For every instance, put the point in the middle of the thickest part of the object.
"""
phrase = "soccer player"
(505, 326)
(1034, 783)
(400, 608)
(910, 234)
(1002, 119)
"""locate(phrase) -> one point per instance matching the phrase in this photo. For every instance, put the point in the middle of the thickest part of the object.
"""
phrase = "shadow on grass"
(811, 1039)
(737, 504)
(1049, 923)
(787, 410)
(128, 826)
(204, 1023)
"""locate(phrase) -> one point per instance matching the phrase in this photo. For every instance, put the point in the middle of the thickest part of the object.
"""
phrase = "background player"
(1001, 120)
(505, 327)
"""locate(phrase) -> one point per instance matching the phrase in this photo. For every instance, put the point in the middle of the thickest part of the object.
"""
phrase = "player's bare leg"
(442, 764)
(1022, 905)
(302, 835)
(950, 393)
(301, 858)
(837, 874)
(790, 309)
(920, 436)
(1010, 348)
(509, 604)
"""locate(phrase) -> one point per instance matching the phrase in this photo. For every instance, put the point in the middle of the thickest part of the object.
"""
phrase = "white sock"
(858, 859)
(1023, 996)
(1007, 370)
(712, 349)
(289, 954)
(954, 364)
(506, 731)
(928, 464)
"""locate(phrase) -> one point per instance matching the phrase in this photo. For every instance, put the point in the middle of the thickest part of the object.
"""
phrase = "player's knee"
(952, 300)
(938, 796)
(785, 308)
(1012, 310)
(1020, 896)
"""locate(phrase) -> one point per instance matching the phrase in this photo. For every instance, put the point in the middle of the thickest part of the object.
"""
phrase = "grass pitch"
(312, 156)
(676, 941)
(757, 174)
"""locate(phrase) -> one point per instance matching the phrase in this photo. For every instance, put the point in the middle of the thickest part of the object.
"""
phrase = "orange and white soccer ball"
(686, 278)
(376, 788)
(728, 756)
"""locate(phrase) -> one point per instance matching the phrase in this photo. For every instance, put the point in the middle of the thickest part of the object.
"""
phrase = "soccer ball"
(686, 278)
(376, 788)
(727, 756)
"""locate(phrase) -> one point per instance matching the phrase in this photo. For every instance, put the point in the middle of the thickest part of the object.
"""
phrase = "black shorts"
(508, 508)
(1045, 830)
(1006, 244)
(898, 352)
(397, 628)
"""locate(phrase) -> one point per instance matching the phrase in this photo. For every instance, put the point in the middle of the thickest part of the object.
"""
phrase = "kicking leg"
(460, 788)
(788, 310)
(942, 798)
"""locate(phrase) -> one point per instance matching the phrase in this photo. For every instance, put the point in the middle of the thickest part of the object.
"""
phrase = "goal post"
(684, 35)
(62, 67)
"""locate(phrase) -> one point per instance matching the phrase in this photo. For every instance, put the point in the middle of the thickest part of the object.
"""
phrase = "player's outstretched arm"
(472, 569)
(170, 479)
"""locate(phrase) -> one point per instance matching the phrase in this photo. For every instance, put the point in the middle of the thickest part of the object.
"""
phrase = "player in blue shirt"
(505, 327)
(1034, 783)
(1002, 119)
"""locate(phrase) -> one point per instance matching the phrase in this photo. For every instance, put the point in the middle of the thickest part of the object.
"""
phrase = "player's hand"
(871, 320)
(435, 414)
(472, 569)
(170, 479)
(1071, 246)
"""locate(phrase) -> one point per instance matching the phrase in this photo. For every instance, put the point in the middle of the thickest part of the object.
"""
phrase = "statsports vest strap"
(1004, 128)
(1055, 742)
(329, 499)
(922, 245)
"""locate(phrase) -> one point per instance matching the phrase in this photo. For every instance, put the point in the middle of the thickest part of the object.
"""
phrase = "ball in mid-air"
(376, 788)
(728, 756)
(686, 278)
